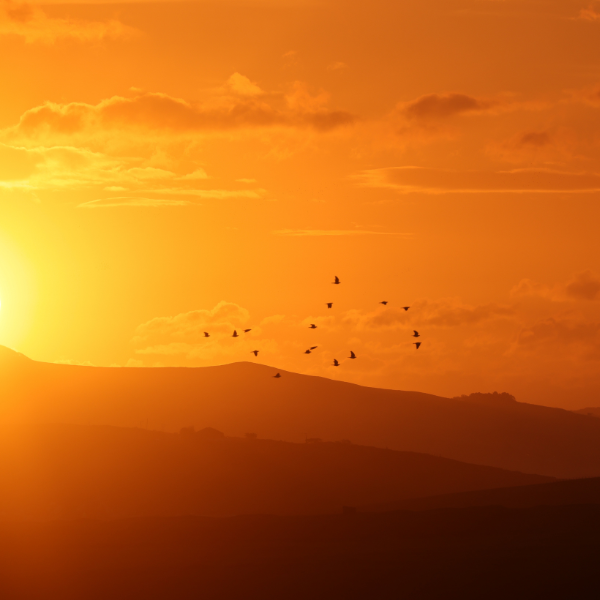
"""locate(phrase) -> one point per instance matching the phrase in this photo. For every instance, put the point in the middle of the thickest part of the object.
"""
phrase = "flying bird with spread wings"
(417, 344)
(337, 281)
(416, 333)
(235, 334)
(335, 362)
(255, 352)
(312, 326)
(247, 330)
(277, 376)
(406, 307)
(329, 304)
(206, 334)
(352, 355)
(384, 302)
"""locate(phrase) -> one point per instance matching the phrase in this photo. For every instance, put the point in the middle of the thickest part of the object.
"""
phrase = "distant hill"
(592, 411)
(556, 493)
(244, 397)
(463, 554)
(73, 471)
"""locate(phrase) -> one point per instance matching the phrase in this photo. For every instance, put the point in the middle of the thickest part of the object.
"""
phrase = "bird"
(406, 307)
(416, 333)
(255, 352)
(329, 304)
(247, 330)
(235, 333)
(307, 352)
(311, 349)
(277, 376)
(352, 355)
(417, 344)
(337, 281)
(312, 326)
(314, 347)
(336, 363)
(384, 302)
(206, 334)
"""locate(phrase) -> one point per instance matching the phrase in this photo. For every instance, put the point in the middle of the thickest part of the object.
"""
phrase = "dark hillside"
(67, 471)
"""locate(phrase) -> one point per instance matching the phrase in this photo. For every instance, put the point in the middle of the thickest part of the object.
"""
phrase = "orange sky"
(170, 168)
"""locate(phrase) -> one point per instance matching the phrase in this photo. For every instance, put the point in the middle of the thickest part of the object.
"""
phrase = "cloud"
(31, 23)
(239, 84)
(214, 194)
(452, 313)
(589, 95)
(556, 146)
(161, 114)
(529, 288)
(438, 313)
(584, 286)
(68, 361)
(337, 66)
(444, 106)
(588, 14)
(406, 180)
(130, 201)
(563, 332)
(537, 139)
(71, 168)
(190, 326)
(332, 232)
(182, 336)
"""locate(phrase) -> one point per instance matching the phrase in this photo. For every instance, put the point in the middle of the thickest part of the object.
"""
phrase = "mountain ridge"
(244, 397)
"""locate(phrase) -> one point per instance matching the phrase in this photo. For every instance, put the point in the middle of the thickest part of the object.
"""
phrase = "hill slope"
(556, 493)
(244, 397)
(67, 471)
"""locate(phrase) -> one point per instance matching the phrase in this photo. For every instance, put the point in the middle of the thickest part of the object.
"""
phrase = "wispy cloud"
(31, 23)
(131, 201)
(411, 179)
(588, 14)
(334, 232)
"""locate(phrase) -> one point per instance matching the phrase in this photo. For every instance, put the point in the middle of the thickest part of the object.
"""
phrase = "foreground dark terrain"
(487, 552)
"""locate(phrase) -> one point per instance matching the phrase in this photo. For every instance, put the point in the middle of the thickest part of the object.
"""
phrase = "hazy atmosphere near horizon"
(286, 197)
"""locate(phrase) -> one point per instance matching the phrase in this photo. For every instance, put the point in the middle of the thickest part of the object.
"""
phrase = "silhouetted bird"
(329, 304)
(247, 330)
(314, 347)
(206, 334)
(384, 302)
(277, 376)
(312, 326)
(307, 352)
(406, 307)
(417, 344)
(235, 333)
(255, 352)
(337, 280)
(352, 355)
(416, 333)
(336, 363)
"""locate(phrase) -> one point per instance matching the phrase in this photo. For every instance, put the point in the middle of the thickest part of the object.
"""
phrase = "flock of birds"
(336, 363)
